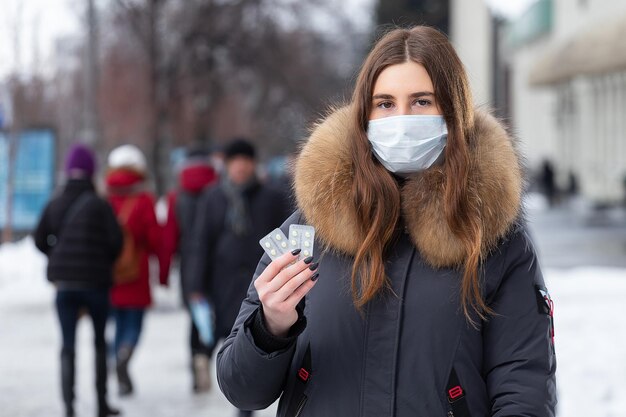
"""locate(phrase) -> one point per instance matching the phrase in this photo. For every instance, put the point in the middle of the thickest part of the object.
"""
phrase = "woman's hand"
(281, 286)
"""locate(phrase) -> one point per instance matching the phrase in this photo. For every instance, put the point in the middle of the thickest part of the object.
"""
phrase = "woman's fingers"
(276, 266)
(281, 286)
(288, 274)
(300, 292)
(280, 314)
(290, 286)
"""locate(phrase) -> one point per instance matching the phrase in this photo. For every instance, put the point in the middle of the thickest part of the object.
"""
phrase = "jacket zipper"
(450, 413)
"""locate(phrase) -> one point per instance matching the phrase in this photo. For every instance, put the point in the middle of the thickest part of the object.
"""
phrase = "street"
(574, 235)
(575, 250)
(29, 367)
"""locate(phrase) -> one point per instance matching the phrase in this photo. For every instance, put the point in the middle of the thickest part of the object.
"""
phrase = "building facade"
(568, 64)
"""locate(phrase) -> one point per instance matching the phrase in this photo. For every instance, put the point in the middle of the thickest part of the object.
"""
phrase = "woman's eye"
(385, 105)
(422, 103)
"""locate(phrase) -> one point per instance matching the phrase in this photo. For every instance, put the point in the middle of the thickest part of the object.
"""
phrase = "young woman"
(430, 301)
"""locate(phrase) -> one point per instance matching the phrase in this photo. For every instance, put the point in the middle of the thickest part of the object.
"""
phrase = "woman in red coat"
(130, 295)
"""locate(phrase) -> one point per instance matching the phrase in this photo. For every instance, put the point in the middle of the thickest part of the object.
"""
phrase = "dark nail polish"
(315, 276)
(308, 260)
(313, 266)
(296, 251)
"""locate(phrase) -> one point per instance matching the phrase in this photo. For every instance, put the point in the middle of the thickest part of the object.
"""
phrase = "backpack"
(126, 267)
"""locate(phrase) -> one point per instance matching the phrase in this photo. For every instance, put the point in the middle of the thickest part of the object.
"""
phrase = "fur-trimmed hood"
(323, 184)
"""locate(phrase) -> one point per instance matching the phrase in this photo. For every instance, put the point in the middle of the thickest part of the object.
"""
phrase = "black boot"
(104, 409)
(201, 372)
(67, 382)
(123, 378)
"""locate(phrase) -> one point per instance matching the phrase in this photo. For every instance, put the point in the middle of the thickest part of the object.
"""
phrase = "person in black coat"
(195, 176)
(424, 295)
(79, 234)
(232, 217)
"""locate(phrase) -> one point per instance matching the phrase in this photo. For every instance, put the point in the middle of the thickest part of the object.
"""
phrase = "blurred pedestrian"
(427, 298)
(548, 182)
(80, 236)
(131, 295)
(573, 188)
(231, 219)
(195, 175)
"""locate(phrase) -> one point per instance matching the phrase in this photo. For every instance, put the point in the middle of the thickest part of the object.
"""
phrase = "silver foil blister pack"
(300, 236)
(303, 237)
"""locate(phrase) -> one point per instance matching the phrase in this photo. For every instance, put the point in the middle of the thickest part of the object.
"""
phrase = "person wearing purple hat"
(80, 162)
(79, 234)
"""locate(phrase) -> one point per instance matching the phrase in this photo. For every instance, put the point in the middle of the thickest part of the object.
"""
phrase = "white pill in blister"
(307, 234)
(278, 237)
(294, 233)
(306, 253)
(294, 242)
(284, 244)
(273, 252)
(307, 243)
(268, 245)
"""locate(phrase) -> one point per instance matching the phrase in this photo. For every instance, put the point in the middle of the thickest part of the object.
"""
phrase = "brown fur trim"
(323, 188)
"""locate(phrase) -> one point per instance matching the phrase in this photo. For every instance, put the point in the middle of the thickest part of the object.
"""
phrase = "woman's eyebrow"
(421, 94)
(413, 95)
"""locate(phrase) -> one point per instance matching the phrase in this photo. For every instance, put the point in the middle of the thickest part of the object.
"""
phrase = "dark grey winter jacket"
(411, 352)
(221, 262)
(82, 242)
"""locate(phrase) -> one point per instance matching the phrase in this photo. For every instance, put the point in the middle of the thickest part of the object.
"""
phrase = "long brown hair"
(376, 194)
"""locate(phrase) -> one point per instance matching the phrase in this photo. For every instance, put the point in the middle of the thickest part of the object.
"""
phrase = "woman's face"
(404, 89)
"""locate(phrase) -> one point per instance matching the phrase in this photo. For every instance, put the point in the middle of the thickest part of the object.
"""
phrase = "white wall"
(471, 34)
(533, 109)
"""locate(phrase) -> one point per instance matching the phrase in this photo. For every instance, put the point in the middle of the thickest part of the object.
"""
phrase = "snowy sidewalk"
(30, 343)
(590, 306)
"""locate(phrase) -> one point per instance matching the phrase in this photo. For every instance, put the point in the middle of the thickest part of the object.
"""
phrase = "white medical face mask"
(407, 144)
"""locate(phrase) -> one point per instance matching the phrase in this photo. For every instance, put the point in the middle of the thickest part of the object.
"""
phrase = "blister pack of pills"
(300, 237)
(275, 244)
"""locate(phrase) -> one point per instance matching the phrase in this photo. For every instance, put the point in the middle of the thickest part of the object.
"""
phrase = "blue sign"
(33, 178)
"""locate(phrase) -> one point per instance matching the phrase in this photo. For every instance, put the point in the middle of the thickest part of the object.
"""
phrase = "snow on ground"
(30, 345)
(22, 275)
(590, 345)
(590, 338)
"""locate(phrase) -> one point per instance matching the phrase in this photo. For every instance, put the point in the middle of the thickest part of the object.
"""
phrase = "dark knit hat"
(80, 158)
(239, 147)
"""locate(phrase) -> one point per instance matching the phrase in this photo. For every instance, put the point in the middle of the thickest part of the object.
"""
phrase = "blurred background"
(169, 74)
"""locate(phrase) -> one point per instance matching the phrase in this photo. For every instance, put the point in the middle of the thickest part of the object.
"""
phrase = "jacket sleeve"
(40, 235)
(202, 246)
(249, 377)
(171, 233)
(151, 233)
(519, 359)
(115, 237)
